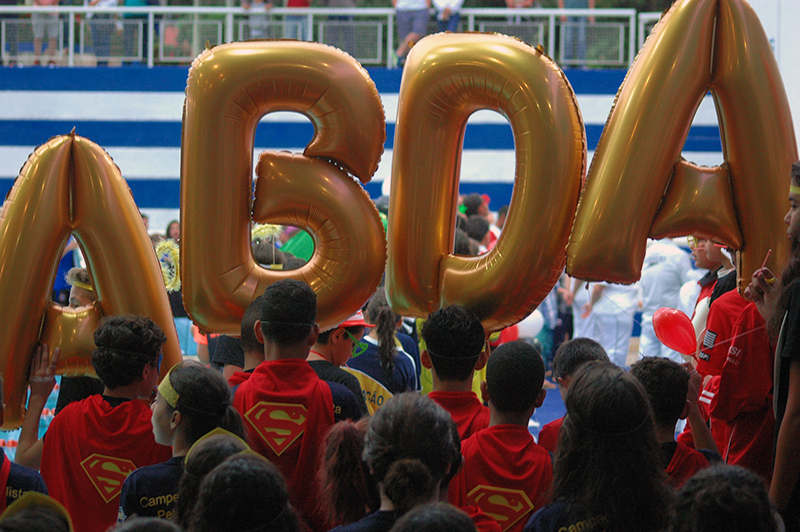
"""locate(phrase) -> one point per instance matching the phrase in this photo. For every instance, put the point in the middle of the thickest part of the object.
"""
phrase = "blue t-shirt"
(21, 480)
(404, 376)
(151, 491)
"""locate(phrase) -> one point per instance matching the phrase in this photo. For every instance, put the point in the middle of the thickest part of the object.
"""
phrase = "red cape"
(465, 408)
(506, 474)
(90, 449)
(287, 410)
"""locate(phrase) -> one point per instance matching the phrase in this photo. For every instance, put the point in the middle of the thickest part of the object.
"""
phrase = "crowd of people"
(291, 428)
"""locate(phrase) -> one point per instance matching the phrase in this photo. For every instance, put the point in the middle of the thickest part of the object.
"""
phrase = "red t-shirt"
(506, 474)
(465, 408)
(287, 410)
(685, 463)
(548, 436)
(740, 398)
(90, 449)
(719, 328)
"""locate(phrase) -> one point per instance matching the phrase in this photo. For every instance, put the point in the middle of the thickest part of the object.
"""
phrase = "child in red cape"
(506, 474)
(287, 408)
(93, 445)
(455, 340)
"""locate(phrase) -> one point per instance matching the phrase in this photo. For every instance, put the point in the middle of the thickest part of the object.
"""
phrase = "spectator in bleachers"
(45, 23)
(573, 36)
(12, 32)
(102, 26)
(412, 24)
(447, 14)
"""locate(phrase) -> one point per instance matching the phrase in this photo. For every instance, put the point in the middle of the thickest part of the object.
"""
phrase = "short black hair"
(514, 375)
(124, 346)
(572, 354)
(288, 312)
(454, 338)
(252, 314)
(472, 203)
(477, 227)
(723, 497)
(667, 384)
(461, 244)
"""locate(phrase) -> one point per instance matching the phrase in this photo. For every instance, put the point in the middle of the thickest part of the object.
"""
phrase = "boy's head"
(454, 341)
(514, 378)
(667, 384)
(574, 353)
(252, 314)
(125, 347)
(288, 312)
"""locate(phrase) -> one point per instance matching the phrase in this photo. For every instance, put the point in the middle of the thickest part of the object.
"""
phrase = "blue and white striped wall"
(135, 114)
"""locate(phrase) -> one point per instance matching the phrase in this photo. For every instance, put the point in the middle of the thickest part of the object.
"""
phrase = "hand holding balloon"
(674, 329)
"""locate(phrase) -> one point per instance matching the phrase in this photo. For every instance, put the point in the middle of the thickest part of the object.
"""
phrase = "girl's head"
(792, 218)
(792, 269)
(173, 230)
(81, 292)
(206, 454)
(410, 447)
(348, 492)
(193, 400)
(608, 460)
(244, 493)
(380, 314)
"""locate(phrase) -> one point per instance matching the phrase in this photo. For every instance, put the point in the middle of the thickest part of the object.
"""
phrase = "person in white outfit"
(613, 307)
(666, 268)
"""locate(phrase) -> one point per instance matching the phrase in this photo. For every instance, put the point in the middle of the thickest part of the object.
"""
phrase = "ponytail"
(381, 314)
(407, 484)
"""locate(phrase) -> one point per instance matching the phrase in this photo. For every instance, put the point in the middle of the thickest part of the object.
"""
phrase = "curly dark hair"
(124, 346)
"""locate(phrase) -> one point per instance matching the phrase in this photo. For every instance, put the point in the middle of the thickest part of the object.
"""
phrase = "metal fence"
(80, 35)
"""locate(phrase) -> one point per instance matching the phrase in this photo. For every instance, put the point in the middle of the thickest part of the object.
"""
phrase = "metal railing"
(646, 23)
(91, 35)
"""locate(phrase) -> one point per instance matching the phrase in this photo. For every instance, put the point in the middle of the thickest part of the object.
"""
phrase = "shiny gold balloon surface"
(230, 88)
(70, 185)
(698, 202)
(699, 45)
(350, 245)
(447, 77)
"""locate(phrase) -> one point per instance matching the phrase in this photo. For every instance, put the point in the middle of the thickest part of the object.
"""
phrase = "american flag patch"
(709, 339)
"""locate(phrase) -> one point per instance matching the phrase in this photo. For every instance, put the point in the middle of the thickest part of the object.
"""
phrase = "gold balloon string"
(168, 253)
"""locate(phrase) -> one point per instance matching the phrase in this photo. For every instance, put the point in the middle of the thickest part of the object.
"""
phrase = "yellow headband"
(167, 391)
(85, 286)
(794, 190)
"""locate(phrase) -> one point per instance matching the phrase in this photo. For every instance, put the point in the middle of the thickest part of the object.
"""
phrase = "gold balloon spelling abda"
(699, 45)
(230, 88)
(71, 186)
(447, 77)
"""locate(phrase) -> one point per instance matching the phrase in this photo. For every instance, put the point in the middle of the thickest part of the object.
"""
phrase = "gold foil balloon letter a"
(71, 186)
(639, 186)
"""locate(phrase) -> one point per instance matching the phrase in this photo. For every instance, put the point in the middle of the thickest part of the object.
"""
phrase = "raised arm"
(42, 381)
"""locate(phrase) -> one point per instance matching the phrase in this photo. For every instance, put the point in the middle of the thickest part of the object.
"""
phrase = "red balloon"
(674, 328)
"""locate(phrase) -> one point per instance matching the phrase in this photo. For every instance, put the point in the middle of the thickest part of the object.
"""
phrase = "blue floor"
(552, 408)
